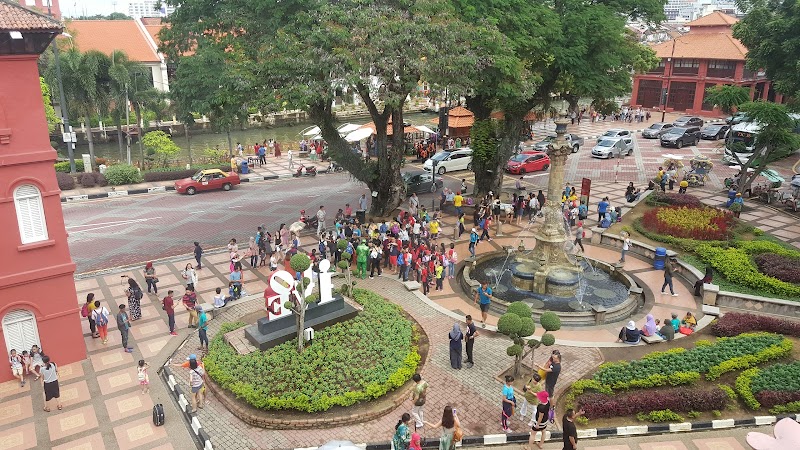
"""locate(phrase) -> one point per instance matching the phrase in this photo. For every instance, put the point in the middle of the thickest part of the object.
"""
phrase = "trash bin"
(245, 168)
(361, 215)
(661, 257)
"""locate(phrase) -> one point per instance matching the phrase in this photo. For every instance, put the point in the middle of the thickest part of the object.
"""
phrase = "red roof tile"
(703, 46)
(714, 19)
(109, 35)
(15, 17)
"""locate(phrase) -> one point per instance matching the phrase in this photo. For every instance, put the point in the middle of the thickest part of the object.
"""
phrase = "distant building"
(41, 5)
(688, 10)
(149, 8)
(708, 55)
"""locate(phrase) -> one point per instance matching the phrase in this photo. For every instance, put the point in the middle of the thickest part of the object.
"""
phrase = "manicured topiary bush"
(65, 181)
(734, 324)
(357, 360)
(779, 266)
(87, 180)
(659, 198)
(661, 415)
(120, 174)
(735, 263)
(100, 179)
(680, 399)
(63, 166)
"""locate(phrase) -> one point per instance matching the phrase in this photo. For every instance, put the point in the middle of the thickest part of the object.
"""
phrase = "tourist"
(197, 384)
(485, 224)
(630, 334)
(416, 442)
(707, 278)
(569, 430)
(650, 327)
(509, 403)
(530, 397)
(87, 310)
(198, 253)
(418, 396)
(220, 299)
(124, 325)
(134, 294)
(469, 339)
(37, 361)
(362, 202)
(579, 235)
(689, 321)
(362, 255)
(668, 271)
(667, 331)
(190, 275)
(552, 368)
(202, 328)
(473, 241)
(439, 272)
(449, 424)
(464, 185)
(100, 315)
(236, 281)
(539, 420)
(602, 208)
(142, 376)
(150, 278)
(452, 260)
(413, 204)
(252, 252)
(461, 225)
(375, 255)
(26, 362)
(456, 336)
(458, 200)
(320, 220)
(484, 293)
(683, 186)
(626, 245)
(50, 380)
(168, 305)
(402, 435)
(676, 323)
(189, 302)
(15, 361)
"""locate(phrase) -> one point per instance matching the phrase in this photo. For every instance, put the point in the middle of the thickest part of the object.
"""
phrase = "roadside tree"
(727, 98)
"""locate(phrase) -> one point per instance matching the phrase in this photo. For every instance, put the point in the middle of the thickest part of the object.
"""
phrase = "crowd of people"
(666, 330)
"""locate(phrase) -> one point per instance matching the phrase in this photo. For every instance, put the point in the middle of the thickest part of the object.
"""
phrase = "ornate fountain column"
(551, 269)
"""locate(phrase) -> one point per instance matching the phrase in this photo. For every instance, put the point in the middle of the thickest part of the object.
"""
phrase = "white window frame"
(30, 204)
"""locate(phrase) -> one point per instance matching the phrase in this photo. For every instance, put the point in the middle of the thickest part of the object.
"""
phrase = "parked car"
(613, 147)
(450, 161)
(737, 118)
(527, 162)
(419, 182)
(714, 132)
(573, 139)
(688, 121)
(655, 130)
(614, 133)
(206, 180)
(679, 136)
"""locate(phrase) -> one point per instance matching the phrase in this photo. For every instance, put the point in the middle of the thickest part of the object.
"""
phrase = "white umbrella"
(359, 134)
(348, 127)
(424, 129)
(311, 131)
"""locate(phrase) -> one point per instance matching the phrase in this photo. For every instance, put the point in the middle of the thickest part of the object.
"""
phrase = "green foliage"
(735, 263)
(742, 387)
(509, 324)
(716, 413)
(693, 414)
(581, 386)
(49, 111)
(788, 408)
(728, 390)
(727, 97)
(550, 321)
(779, 377)
(120, 174)
(663, 415)
(520, 309)
(727, 354)
(349, 362)
(582, 421)
(63, 166)
(160, 144)
(300, 262)
(548, 339)
(514, 350)
(341, 244)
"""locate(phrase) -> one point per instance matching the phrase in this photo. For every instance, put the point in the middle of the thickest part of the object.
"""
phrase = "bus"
(741, 139)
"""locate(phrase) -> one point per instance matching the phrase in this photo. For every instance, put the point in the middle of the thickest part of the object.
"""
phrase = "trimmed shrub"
(779, 266)
(662, 415)
(679, 399)
(123, 174)
(734, 324)
(659, 198)
(789, 408)
(705, 223)
(768, 399)
(87, 180)
(63, 166)
(742, 387)
(100, 179)
(65, 181)
(177, 173)
(736, 264)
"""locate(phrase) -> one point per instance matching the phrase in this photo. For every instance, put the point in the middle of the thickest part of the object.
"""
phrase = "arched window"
(20, 330)
(30, 214)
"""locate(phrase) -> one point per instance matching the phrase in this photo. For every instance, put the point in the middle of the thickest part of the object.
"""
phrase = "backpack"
(102, 319)
(85, 310)
(138, 294)
(482, 223)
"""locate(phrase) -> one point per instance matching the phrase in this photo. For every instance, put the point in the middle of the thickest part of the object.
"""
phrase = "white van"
(450, 161)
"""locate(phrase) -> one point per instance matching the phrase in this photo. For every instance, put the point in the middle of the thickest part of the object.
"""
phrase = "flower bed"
(735, 263)
(700, 223)
(681, 366)
(779, 266)
(360, 359)
(680, 399)
(659, 198)
(734, 324)
(776, 387)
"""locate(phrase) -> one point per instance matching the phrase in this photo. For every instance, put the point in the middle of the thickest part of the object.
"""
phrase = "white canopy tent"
(424, 129)
(348, 127)
(311, 131)
(359, 134)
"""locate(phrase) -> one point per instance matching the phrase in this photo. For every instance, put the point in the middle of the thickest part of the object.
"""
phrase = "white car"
(615, 133)
(450, 161)
(615, 147)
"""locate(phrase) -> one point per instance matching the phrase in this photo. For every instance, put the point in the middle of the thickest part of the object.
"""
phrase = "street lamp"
(433, 172)
(68, 139)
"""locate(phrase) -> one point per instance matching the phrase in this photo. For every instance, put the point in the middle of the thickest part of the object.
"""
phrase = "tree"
(160, 144)
(344, 264)
(130, 85)
(769, 30)
(49, 111)
(727, 97)
(300, 300)
(775, 139)
(517, 324)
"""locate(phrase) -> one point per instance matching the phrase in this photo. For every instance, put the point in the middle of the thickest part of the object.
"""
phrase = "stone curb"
(202, 439)
(155, 189)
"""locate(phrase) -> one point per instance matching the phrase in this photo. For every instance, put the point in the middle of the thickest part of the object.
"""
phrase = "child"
(144, 378)
(26, 362)
(273, 263)
(16, 367)
(415, 443)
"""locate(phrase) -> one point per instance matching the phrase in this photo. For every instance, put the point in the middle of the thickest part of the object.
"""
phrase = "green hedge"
(735, 263)
(349, 362)
(63, 166)
(120, 174)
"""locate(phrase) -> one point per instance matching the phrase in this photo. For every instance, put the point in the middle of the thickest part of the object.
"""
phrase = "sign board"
(87, 162)
(586, 187)
(282, 288)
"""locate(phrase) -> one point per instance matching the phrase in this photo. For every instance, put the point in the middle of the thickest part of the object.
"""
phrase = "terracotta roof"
(15, 17)
(151, 20)
(703, 46)
(109, 35)
(714, 19)
(460, 111)
(389, 128)
(153, 30)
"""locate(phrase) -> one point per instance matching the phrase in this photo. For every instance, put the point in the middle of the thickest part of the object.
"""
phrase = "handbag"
(542, 374)
(458, 434)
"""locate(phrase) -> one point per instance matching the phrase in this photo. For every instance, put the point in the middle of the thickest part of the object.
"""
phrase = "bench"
(711, 310)
(208, 308)
(412, 285)
(654, 339)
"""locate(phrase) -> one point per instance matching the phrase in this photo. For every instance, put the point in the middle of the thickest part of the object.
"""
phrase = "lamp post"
(63, 99)
(433, 173)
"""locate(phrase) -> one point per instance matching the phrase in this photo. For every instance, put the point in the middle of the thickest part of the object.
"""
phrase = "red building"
(708, 55)
(42, 5)
(38, 302)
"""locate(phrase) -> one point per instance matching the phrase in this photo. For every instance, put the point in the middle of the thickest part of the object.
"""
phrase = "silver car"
(655, 130)
(613, 148)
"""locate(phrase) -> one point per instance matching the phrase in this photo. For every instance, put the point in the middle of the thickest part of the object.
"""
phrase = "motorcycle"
(305, 171)
(310, 222)
(333, 167)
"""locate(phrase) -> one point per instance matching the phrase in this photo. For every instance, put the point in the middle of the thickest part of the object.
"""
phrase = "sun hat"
(631, 325)
(543, 396)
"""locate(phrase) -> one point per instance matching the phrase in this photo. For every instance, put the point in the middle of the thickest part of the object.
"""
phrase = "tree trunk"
(230, 143)
(489, 173)
(90, 138)
(119, 140)
(301, 320)
(138, 112)
(188, 141)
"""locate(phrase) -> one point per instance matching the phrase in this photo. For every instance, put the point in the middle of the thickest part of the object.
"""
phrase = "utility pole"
(128, 123)
(63, 98)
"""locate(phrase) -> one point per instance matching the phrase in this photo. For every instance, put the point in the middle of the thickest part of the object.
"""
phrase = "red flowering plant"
(700, 223)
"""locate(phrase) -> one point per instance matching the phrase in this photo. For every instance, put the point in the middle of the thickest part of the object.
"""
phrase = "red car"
(206, 180)
(528, 162)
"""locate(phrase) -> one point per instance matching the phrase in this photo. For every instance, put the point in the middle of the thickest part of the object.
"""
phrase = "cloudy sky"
(72, 8)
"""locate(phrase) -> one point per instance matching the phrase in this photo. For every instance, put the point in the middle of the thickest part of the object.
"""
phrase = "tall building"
(149, 8)
(41, 5)
(38, 301)
(708, 55)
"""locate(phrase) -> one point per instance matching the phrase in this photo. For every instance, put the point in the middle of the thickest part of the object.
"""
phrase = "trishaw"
(701, 167)
(792, 198)
(768, 190)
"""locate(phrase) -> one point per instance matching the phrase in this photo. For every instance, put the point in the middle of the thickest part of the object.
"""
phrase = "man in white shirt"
(321, 220)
